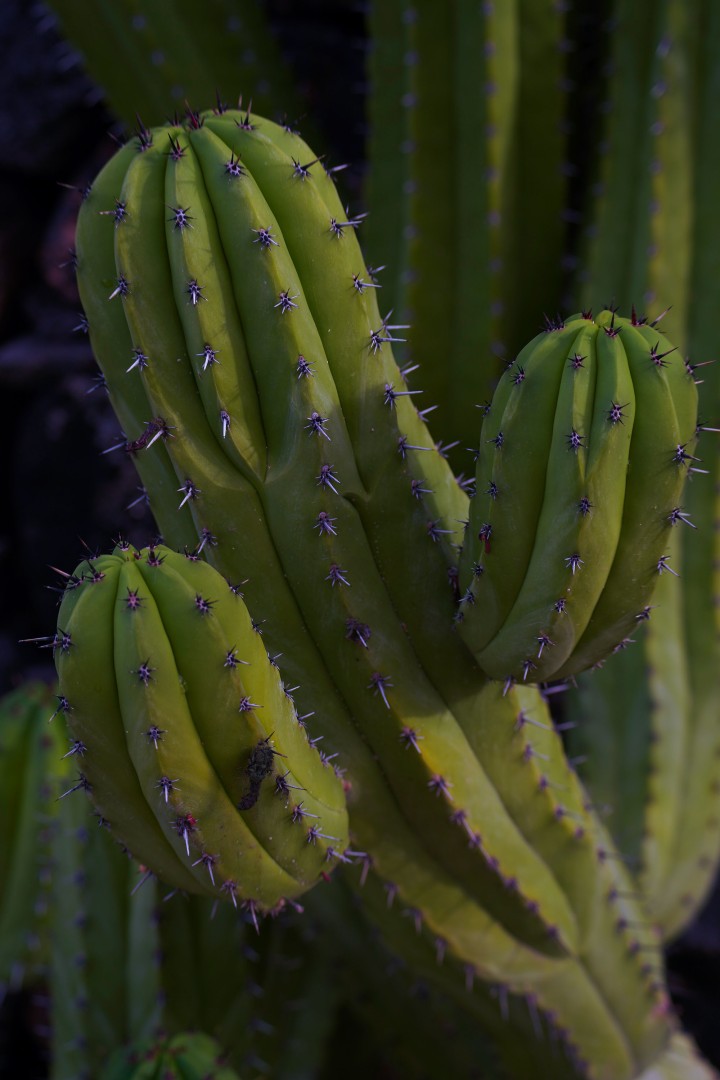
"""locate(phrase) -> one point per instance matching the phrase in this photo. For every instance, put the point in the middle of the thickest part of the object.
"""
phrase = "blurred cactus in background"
(417, 687)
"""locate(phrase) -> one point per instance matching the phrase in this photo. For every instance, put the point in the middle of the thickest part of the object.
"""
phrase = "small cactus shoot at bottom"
(192, 751)
(184, 1057)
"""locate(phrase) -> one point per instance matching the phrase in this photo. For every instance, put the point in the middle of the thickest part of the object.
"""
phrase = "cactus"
(180, 963)
(31, 775)
(466, 160)
(663, 786)
(232, 291)
(190, 1056)
(195, 716)
(563, 550)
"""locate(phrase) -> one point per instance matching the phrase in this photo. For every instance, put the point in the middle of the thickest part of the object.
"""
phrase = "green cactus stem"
(466, 187)
(192, 750)
(32, 772)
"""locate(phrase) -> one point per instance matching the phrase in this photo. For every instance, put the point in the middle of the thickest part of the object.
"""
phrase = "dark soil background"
(60, 495)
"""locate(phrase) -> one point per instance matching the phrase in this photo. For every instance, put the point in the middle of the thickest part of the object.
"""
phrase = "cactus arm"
(145, 993)
(585, 398)
(484, 86)
(462, 77)
(392, 517)
(430, 258)
(89, 948)
(665, 400)
(16, 751)
(513, 602)
(669, 256)
(669, 261)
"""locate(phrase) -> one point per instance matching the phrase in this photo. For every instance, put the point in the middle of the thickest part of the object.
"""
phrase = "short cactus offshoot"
(584, 452)
(192, 751)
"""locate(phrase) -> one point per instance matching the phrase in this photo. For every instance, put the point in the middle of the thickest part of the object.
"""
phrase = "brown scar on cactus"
(258, 768)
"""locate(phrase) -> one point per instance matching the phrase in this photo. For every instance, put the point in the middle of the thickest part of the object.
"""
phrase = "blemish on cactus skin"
(258, 768)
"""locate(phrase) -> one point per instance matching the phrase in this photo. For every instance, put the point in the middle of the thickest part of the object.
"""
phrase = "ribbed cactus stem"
(198, 762)
(584, 452)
